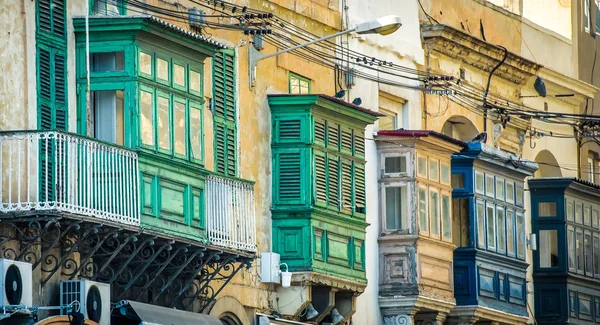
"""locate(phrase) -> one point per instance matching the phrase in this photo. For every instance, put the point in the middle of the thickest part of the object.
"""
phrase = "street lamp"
(382, 26)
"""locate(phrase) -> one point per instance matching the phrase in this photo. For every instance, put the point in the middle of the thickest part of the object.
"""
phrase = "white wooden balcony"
(58, 171)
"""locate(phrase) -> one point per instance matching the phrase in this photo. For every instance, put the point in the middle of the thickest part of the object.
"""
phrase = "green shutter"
(346, 182)
(320, 127)
(52, 97)
(225, 117)
(333, 135)
(333, 172)
(289, 129)
(359, 188)
(289, 182)
(51, 17)
(359, 144)
(346, 140)
(320, 177)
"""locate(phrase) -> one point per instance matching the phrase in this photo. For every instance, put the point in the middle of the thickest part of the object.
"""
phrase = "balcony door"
(107, 116)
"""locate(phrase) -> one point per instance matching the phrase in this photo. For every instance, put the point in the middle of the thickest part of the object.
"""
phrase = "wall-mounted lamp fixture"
(533, 242)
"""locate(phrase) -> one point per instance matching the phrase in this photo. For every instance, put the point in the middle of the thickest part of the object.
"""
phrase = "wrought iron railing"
(66, 172)
(230, 217)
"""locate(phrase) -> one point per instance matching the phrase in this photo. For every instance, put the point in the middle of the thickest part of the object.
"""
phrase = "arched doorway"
(230, 319)
(460, 127)
(548, 166)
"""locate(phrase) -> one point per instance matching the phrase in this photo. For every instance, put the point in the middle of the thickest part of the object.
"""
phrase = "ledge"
(478, 53)
(484, 313)
(328, 280)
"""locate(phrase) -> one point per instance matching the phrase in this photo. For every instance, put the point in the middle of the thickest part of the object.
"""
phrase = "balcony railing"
(70, 173)
(230, 218)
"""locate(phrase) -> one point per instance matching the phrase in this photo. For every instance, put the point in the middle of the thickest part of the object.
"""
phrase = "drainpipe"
(87, 67)
(428, 71)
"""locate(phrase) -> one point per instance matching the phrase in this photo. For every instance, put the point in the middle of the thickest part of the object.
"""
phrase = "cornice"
(477, 53)
(328, 280)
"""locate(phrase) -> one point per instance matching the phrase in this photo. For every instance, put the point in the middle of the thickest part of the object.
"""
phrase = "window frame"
(423, 223)
(300, 79)
(160, 56)
(448, 224)
(579, 231)
(512, 232)
(512, 185)
(201, 81)
(419, 174)
(186, 125)
(586, 15)
(481, 224)
(165, 95)
(539, 259)
(588, 256)
(404, 220)
(406, 156)
(521, 239)
(596, 254)
(120, 5)
(500, 181)
(587, 214)
(194, 105)
(482, 175)
(494, 245)
(571, 247)
(447, 182)
(139, 64)
(491, 194)
(498, 232)
(434, 219)
(430, 162)
(151, 91)
(174, 62)
(580, 206)
(519, 199)
(569, 211)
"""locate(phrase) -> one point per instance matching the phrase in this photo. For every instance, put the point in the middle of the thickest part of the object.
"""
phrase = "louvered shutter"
(225, 117)
(333, 190)
(51, 17)
(346, 140)
(333, 135)
(346, 183)
(289, 181)
(359, 188)
(290, 130)
(320, 127)
(321, 177)
(359, 144)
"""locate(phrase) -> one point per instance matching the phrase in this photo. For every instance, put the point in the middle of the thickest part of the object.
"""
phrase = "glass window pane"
(395, 165)
(510, 233)
(422, 166)
(423, 220)
(578, 250)
(520, 236)
(500, 189)
(570, 209)
(491, 228)
(304, 87)
(147, 116)
(179, 127)
(547, 209)
(196, 133)
(501, 229)
(395, 207)
(479, 183)
(458, 180)
(571, 246)
(164, 126)
(145, 63)
(548, 248)
(510, 192)
(179, 75)
(595, 220)
(519, 196)
(387, 122)
(162, 69)
(587, 215)
(480, 225)
(107, 116)
(489, 185)
(578, 212)
(434, 213)
(195, 84)
(446, 217)
(587, 250)
(107, 62)
(596, 255)
(445, 173)
(433, 170)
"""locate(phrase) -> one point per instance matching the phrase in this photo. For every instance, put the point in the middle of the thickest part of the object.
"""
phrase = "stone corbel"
(323, 300)
(431, 318)
(462, 320)
(404, 317)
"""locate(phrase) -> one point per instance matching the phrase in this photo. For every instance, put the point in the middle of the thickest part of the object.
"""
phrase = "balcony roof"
(480, 151)
(563, 183)
(420, 134)
(332, 99)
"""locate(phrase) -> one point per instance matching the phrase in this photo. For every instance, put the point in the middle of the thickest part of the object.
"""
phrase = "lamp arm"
(254, 56)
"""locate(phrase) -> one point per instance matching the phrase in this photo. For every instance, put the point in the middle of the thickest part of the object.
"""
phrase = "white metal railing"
(66, 172)
(230, 218)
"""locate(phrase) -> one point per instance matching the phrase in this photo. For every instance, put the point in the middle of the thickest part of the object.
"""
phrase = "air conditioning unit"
(93, 298)
(16, 283)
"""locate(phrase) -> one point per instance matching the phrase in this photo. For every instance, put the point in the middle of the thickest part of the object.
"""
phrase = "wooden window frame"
(300, 78)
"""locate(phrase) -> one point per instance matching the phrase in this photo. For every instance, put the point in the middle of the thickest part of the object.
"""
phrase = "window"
(422, 166)
(434, 168)
(548, 248)
(547, 209)
(520, 236)
(434, 213)
(489, 185)
(392, 107)
(586, 15)
(500, 189)
(578, 212)
(225, 113)
(458, 180)
(595, 219)
(596, 252)
(423, 220)
(107, 61)
(570, 210)
(445, 174)
(389, 121)
(107, 116)
(446, 217)
(479, 183)
(480, 224)
(109, 7)
(146, 63)
(510, 233)
(395, 207)
(571, 246)
(179, 76)
(519, 196)
(394, 165)
(587, 215)
(147, 117)
(579, 250)
(195, 82)
(491, 227)
(298, 84)
(501, 226)
(510, 192)
(162, 69)
(587, 250)
(179, 130)
(590, 168)
(163, 121)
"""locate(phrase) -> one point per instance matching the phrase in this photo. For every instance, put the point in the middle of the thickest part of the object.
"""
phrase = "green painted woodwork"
(101, 7)
(171, 182)
(224, 113)
(318, 184)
